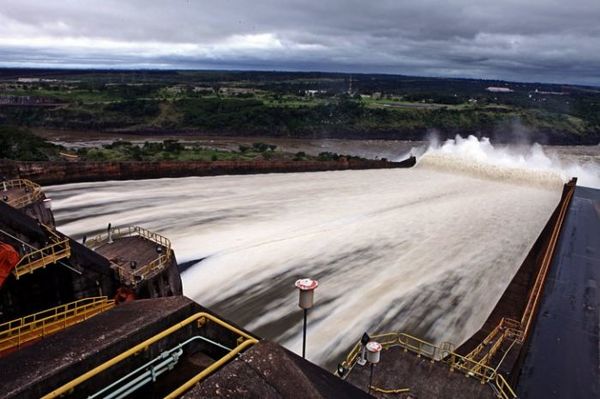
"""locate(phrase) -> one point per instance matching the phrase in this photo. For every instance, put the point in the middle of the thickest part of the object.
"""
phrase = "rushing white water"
(525, 163)
(421, 250)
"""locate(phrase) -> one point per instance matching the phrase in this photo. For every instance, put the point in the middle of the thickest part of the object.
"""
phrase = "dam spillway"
(419, 250)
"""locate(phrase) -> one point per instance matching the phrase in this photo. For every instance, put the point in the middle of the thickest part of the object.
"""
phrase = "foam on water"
(427, 250)
(527, 164)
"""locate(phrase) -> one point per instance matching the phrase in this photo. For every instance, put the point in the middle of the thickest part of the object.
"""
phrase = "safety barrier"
(32, 192)
(59, 248)
(244, 341)
(536, 291)
(442, 353)
(143, 272)
(15, 333)
(508, 330)
(504, 390)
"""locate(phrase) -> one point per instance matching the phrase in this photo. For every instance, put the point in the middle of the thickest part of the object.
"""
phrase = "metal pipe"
(69, 267)
(144, 378)
(304, 336)
(109, 232)
(199, 377)
(18, 239)
(141, 346)
(176, 349)
(120, 380)
(371, 378)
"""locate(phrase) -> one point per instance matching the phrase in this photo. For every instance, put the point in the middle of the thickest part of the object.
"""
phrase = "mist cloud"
(505, 39)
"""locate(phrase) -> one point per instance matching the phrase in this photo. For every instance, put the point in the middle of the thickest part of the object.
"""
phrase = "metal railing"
(244, 341)
(59, 248)
(508, 330)
(504, 390)
(442, 353)
(536, 291)
(16, 332)
(143, 272)
(33, 192)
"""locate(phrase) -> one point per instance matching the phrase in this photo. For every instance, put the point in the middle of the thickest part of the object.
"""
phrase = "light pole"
(373, 354)
(306, 288)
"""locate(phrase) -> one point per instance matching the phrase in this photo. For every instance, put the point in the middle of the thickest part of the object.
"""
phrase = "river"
(427, 250)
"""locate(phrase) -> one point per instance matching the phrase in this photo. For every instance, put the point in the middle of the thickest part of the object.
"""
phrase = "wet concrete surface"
(423, 378)
(563, 359)
(266, 371)
(38, 369)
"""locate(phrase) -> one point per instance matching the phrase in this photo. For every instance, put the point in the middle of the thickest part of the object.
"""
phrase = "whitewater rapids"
(427, 250)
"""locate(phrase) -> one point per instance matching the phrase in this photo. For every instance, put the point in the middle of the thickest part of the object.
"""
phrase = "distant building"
(553, 93)
(499, 89)
(236, 90)
(203, 89)
(312, 93)
(28, 80)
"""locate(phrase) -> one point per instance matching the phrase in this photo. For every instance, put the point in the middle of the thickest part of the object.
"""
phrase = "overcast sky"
(523, 40)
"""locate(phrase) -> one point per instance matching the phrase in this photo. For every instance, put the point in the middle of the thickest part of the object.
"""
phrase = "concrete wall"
(69, 172)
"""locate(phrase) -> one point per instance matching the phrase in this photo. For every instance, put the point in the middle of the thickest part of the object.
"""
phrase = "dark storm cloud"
(546, 40)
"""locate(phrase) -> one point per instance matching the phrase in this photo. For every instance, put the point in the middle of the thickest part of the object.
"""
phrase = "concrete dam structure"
(121, 327)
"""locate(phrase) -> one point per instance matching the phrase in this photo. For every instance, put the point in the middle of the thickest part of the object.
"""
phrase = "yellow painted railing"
(59, 248)
(536, 291)
(33, 192)
(245, 340)
(508, 330)
(15, 333)
(504, 390)
(133, 277)
(442, 353)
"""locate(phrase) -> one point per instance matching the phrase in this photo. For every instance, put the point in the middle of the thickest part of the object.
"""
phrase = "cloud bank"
(537, 40)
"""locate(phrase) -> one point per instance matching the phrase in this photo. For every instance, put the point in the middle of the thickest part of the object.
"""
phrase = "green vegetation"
(175, 150)
(297, 105)
(23, 145)
(20, 144)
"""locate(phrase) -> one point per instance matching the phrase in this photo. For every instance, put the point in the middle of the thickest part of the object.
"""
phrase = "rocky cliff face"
(70, 172)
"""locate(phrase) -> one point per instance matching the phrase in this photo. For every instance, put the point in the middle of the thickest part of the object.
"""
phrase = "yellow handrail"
(420, 347)
(143, 272)
(34, 192)
(505, 391)
(536, 291)
(59, 248)
(16, 332)
(507, 329)
(200, 317)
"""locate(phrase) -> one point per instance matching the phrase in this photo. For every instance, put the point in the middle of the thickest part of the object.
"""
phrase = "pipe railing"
(16, 332)
(143, 272)
(506, 330)
(33, 192)
(536, 291)
(435, 353)
(245, 340)
(58, 248)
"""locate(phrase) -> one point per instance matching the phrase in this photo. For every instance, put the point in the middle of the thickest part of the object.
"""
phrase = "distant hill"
(298, 104)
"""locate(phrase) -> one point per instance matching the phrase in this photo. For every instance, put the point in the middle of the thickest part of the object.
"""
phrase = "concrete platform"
(12, 193)
(38, 369)
(124, 250)
(425, 379)
(267, 371)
